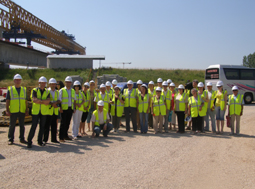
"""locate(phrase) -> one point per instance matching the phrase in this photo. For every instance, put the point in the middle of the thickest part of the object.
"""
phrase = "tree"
(249, 61)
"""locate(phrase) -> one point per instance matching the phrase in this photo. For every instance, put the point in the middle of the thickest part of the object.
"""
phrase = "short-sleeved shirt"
(8, 96)
(100, 117)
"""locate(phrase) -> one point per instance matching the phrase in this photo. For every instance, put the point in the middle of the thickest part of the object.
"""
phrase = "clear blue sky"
(155, 33)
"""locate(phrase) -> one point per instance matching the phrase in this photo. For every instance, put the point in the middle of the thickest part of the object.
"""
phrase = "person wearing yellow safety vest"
(181, 107)
(53, 111)
(102, 95)
(131, 97)
(210, 108)
(117, 108)
(109, 90)
(16, 107)
(143, 103)
(67, 97)
(196, 104)
(100, 120)
(152, 93)
(78, 110)
(85, 108)
(172, 116)
(204, 95)
(41, 100)
(235, 109)
(160, 81)
(93, 94)
(158, 110)
(114, 83)
(138, 91)
(168, 97)
(221, 105)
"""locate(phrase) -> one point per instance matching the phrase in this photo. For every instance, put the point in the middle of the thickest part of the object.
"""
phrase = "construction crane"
(19, 23)
(115, 63)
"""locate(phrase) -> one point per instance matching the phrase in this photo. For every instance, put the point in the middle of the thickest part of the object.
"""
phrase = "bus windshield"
(212, 73)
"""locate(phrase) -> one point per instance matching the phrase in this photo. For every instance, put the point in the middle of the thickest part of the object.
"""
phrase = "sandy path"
(134, 161)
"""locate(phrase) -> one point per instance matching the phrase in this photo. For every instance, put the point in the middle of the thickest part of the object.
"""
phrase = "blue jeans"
(219, 113)
(210, 114)
(97, 129)
(144, 122)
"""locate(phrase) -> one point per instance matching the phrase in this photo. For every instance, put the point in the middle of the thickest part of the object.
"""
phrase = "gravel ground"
(129, 160)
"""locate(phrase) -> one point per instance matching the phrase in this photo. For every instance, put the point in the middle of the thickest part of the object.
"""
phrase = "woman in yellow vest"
(78, 104)
(235, 109)
(138, 91)
(168, 96)
(158, 110)
(144, 101)
(92, 108)
(181, 107)
(85, 108)
(221, 102)
(172, 120)
(196, 104)
(117, 108)
(152, 92)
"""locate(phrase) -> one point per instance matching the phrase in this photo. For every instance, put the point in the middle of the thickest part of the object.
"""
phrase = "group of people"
(147, 106)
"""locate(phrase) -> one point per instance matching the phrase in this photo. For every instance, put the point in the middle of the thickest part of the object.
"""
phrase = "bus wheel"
(248, 98)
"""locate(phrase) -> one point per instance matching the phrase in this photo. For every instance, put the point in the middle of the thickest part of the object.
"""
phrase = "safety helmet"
(92, 81)
(76, 83)
(139, 82)
(200, 84)
(158, 89)
(52, 80)
(144, 85)
(209, 84)
(42, 79)
(86, 84)
(169, 81)
(17, 76)
(68, 79)
(172, 84)
(100, 103)
(130, 82)
(165, 83)
(102, 86)
(117, 87)
(181, 87)
(159, 80)
(219, 84)
(108, 83)
(151, 83)
(234, 88)
(114, 82)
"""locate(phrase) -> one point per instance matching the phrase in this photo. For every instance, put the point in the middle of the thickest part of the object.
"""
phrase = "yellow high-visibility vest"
(195, 106)
(159, 106)
(235, 105)
(64, 102)
(181, 101)
(97, 117)
(120, 106)
(17, 101)
(143, 104)
(86, 101)
(211, 101)
(130, 101)
(51, 108)
(168, 97)
(37, 108)
(79, 100)
(106, 100)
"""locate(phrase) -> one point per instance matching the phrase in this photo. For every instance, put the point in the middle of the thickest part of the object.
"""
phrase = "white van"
(242, 77)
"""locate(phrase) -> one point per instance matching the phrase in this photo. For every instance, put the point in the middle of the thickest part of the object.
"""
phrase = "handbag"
(228, 121)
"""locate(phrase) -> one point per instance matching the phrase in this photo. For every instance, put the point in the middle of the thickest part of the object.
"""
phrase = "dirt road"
(128, 160)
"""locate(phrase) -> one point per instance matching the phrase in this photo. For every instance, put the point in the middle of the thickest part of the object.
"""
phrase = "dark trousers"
(180, 118)
(132, 111)
(150, 120)
(97, 129)
(35, 120)
(197, 123)
(51, 124)
(12, 125)
(66, 117)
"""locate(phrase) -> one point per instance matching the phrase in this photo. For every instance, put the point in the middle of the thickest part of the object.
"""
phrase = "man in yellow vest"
(168, 97)
(131, 97)
(210, 109)
(41, 100)
(92, 94)
(160, 81)
(67, 97)
(152, 93)
(105, 97)
(16, 107)
(52, 116)
(235, 109)
(100, 120)
(109, 90)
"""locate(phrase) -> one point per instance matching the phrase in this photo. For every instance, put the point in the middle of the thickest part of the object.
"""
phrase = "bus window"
(231, 74)
(212, 73)
(247, 74)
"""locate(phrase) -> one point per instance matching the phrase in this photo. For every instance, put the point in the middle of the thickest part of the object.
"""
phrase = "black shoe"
(97, 135)
(55, 141)
(10, 143)
(79, 136)
(105, 136)
(135, 132)
(23, 141)
(29, 146)
(41, 143)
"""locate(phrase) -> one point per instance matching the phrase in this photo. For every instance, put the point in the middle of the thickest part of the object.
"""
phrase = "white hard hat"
(181, 87)
(151, 83)
(159, 80)
(42, 79)
(165, 83)
(144, 85)
(169, 81)
(102, 86)
(219, 83)
(76, 83)
(68, 79)
(92, 81)
(52, 80)
(158, 89)
(209, 84)
(234, 88)
(100, 103)
(17, 76)
(117, 87)
(114, 82)
(108, 83)
(200, 84)
(139, 82)
(172, 84)
(86, 84)
(130, 82)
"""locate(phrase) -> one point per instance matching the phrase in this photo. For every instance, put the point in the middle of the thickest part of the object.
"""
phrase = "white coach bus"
(242, 77)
